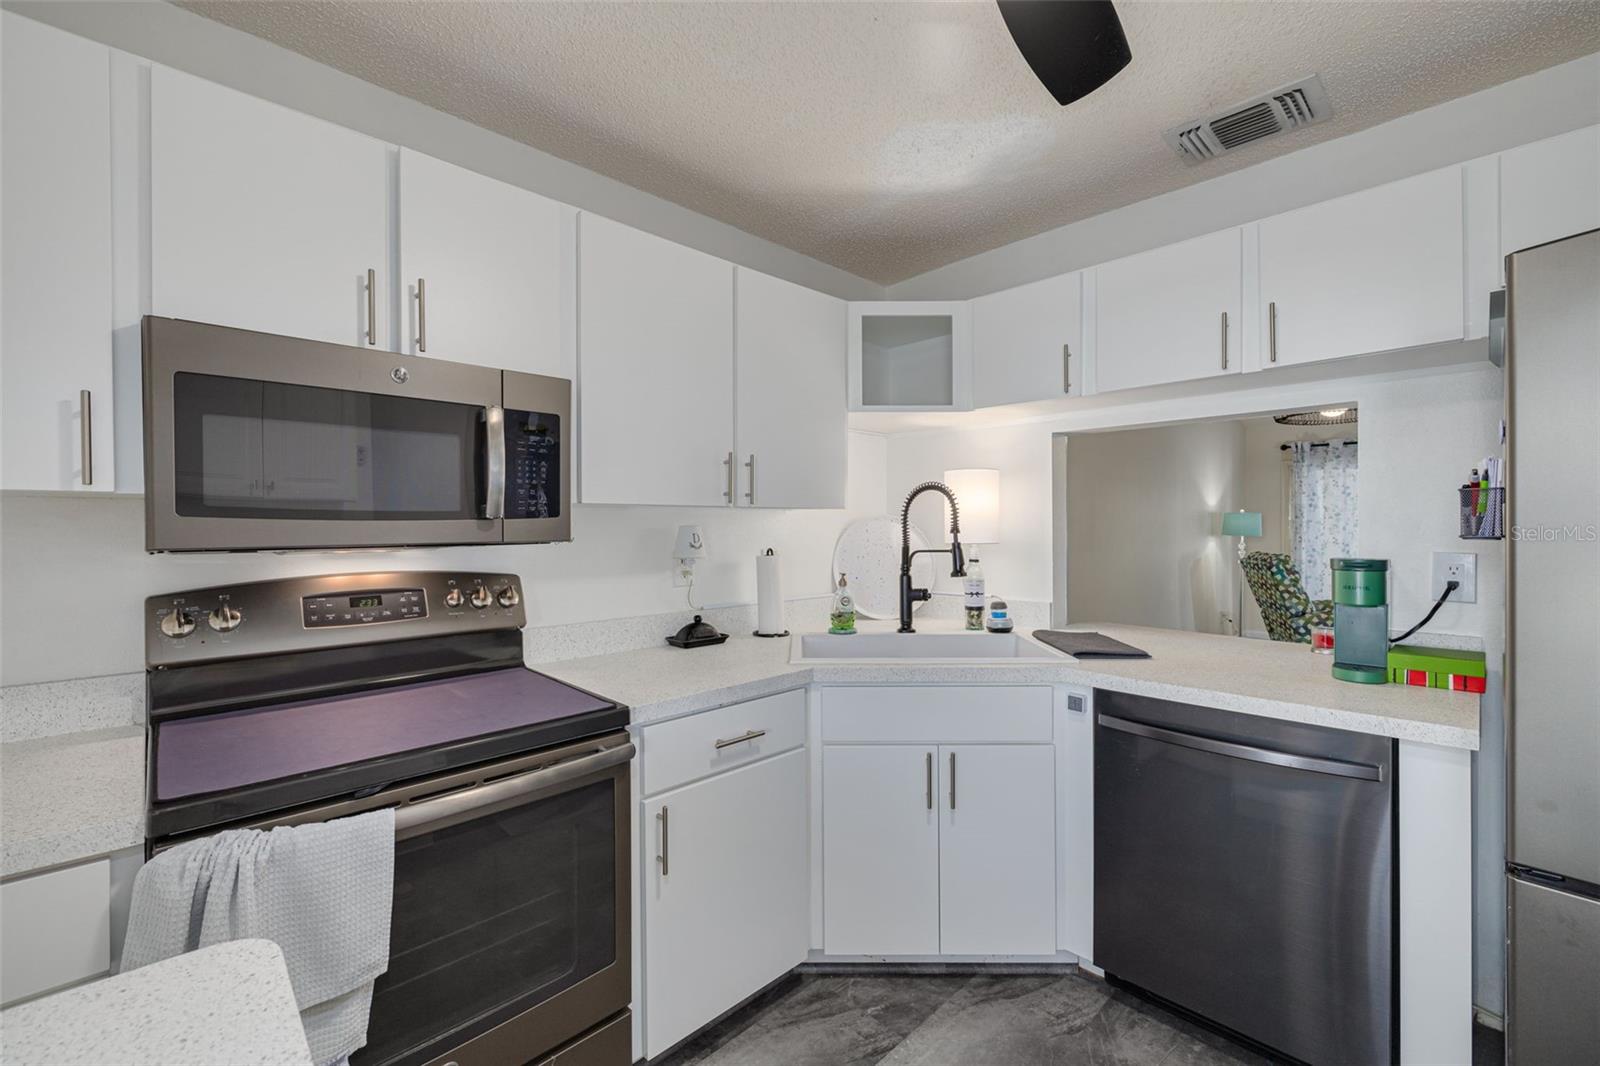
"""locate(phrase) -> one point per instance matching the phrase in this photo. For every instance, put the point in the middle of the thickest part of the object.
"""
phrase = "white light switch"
(1461, 567)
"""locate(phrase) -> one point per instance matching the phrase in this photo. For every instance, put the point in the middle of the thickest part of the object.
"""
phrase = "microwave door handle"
(494, 462)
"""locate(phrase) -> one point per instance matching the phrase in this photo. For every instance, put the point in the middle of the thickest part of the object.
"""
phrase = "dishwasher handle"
(1314, 764)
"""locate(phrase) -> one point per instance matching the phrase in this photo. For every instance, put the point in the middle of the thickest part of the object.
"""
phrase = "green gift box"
(1452, 668)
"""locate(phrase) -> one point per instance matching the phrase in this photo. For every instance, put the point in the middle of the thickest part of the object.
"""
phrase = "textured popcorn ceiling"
(892, 138)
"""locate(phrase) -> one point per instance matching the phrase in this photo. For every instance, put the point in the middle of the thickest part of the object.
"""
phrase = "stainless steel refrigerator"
(1553, 651)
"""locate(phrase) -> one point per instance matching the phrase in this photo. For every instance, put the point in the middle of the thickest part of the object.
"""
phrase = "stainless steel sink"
(917, 647)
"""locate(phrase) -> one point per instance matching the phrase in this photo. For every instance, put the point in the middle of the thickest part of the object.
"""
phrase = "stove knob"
(225, 618)
(453, 598)
(480, 597)
(509, 597)
(180, 623)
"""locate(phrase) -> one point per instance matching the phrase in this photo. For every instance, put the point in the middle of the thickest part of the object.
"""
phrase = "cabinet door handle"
(929, 793)
(422, 315)
(662, 858)
(727, 493)
(754, 734)
(1224, 340)
(952, 780)
(1272, 332)
(1066, 368)
(372, 306)
(751, 466)
(86, 434)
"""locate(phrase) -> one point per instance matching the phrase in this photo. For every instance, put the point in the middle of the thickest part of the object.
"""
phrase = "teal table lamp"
(1240, 524)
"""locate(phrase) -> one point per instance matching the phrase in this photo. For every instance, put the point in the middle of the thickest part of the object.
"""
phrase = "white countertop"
(1273, 680)
(231, 1003)
(71, 797)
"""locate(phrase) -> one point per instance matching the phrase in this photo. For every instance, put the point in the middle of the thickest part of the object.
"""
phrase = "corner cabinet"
(939, 821)
(486, 270)
(1027, 342)
(911, 355)
(1374, 271)
(725, 875)
(655, 351)
(264, 218)
(1171, 314)
(56, 249)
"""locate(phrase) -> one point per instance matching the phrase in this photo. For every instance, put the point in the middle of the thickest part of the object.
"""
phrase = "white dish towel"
(322, 892)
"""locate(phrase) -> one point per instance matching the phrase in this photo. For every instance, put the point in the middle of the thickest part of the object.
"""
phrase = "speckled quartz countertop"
(1259, 677)
(231, 1003)
(67, 798)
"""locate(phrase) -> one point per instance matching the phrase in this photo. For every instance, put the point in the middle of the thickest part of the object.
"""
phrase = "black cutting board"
(1088, 645)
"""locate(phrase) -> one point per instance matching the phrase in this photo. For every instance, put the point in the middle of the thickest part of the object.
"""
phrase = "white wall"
(1543, 104)
(185, 41)
(74, 571)
(1142, 543)
(1420, 435)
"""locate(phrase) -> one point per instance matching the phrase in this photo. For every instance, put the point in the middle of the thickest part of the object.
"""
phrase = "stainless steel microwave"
(258, 442)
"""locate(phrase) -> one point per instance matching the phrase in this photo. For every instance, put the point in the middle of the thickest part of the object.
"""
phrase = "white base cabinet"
(945, 843)
(725, 874)
(56, 927)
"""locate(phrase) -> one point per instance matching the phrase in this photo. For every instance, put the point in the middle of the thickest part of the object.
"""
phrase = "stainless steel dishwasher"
(1245, 871)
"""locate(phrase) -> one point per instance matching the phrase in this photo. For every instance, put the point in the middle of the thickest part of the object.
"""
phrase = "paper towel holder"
(757, 632)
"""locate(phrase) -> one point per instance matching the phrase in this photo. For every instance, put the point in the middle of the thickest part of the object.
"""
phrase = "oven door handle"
(417, 816)
(494, 462)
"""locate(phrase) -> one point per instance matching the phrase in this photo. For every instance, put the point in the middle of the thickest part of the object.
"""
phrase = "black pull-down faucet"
(958, 568)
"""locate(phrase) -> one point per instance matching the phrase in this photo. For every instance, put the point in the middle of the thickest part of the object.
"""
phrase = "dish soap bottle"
(842, 618)
(973, 595)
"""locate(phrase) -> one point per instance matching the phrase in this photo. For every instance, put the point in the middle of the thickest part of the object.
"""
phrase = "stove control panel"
(304, 613)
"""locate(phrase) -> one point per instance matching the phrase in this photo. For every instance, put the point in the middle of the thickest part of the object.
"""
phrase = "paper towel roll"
(769, 596)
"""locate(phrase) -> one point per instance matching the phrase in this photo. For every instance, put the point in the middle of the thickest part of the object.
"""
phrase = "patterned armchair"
(1275, 583)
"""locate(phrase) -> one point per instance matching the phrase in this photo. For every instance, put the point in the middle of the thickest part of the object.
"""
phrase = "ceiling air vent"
(1303, 103)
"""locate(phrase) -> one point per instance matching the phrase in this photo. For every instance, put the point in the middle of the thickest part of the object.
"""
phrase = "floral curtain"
(1322, 501)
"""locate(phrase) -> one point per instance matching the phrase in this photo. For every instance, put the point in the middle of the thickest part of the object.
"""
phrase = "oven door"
(254, 441)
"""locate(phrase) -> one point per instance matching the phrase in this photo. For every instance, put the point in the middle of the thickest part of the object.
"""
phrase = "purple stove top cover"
(238, 748)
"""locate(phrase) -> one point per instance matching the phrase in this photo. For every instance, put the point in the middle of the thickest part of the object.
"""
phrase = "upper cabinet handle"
(372, 306)
(422, 315)
(727, 493)
(86, 433)
(952, 780)
(751, 466)
(1272, 332)
(1066, 368)
(1224, 340)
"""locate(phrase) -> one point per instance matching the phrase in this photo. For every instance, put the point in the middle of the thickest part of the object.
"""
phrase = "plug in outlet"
(682, 575)
(1460, 567)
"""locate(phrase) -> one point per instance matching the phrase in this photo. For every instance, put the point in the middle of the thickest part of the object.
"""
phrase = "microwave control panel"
(533, 464)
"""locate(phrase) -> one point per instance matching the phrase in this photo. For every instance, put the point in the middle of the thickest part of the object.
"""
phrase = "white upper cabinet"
(1170, 314)
(56, 248)
(1026, 342)
(911, 355)
(1369, 272)
(655, 329)
(789, 409)
(264, 218)
(485, 267)
(1549, 189)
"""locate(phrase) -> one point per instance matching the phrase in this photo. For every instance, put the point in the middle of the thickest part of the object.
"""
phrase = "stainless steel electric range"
(302, 700)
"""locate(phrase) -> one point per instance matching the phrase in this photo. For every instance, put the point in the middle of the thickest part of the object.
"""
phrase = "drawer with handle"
(685, 749)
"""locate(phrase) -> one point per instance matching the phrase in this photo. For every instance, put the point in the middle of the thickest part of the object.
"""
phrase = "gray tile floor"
(965, 1019)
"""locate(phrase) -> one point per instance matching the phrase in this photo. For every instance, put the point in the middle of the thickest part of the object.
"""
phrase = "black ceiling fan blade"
(1073, 46)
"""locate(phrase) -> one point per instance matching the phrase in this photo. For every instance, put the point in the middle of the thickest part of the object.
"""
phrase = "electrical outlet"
(682, 576)
(1460, 567)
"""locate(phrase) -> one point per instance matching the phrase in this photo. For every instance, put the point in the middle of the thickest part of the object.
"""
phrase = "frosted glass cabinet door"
(789, 408)
(655, 334)
(1369, 272)
(56, 250)
(493, 264)
(1027, 342)
(263, 218)
(1159, 314)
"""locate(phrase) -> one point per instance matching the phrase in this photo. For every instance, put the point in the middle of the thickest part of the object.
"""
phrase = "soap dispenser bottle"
(972, 590)
(842, 617)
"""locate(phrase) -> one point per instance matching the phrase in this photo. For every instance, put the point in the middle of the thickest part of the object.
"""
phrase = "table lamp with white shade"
(977, 494)
(1241, 524)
